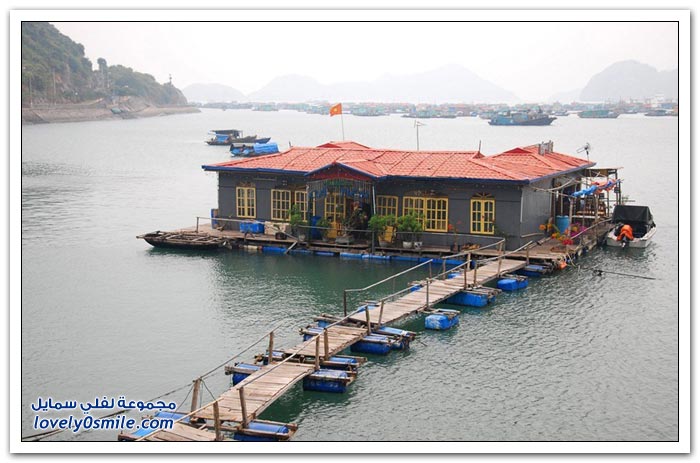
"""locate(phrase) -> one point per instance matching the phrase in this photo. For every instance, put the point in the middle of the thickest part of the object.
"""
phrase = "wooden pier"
(235, 409)
(434, 291)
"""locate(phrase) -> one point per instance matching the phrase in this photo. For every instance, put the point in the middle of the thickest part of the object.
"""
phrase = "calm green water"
(573, 357)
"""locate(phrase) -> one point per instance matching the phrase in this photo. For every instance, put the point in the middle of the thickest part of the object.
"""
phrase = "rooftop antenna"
(479, 150)
(587, 148)
(417, 124)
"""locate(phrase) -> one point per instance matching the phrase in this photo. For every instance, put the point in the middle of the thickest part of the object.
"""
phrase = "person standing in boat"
(625, 233)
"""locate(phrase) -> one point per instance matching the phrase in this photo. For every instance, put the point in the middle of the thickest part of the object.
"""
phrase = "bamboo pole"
(444, 266)
(244, 410)
(316, 359)
(500, 257)
(197, 228)
(381, 313)
(269, 349)
(369, 324)
(217, 422)
(476, 266)
(466, 268)
(326, 354)
(195, 394)
(427, 293)
(527, 255)
(345, 303)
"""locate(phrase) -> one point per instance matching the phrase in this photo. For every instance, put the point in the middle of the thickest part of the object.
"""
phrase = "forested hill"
(55, 70)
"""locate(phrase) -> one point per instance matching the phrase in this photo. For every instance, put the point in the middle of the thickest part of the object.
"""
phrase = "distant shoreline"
(96, 112)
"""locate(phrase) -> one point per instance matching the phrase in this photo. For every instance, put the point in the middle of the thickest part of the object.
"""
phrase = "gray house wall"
(459, 195)
(264, 184)
(519, 209)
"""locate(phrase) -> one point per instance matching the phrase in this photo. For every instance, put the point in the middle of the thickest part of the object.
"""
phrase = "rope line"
(599, 272)
(43, 435)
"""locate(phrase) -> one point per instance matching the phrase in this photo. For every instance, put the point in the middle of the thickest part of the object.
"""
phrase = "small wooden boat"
(183, 240)
(636, 221)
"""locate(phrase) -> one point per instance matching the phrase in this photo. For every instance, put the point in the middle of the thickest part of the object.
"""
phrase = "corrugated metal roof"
(519, 164)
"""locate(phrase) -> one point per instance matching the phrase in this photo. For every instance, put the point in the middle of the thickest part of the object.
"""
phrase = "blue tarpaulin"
(265, 148)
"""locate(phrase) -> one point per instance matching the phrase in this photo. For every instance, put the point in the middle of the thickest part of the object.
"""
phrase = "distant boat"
(598, 114)
(227, 137)
(521, 118)
(657, 112)
(561, 113)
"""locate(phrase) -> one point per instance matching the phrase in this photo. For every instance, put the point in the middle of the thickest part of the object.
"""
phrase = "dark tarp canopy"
(638, 214)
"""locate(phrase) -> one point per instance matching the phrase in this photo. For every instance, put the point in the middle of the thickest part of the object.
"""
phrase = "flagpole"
(342, 124)
(417, 143)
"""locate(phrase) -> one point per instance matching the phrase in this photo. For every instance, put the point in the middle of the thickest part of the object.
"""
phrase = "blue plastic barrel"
(507, 284)
(326, 380)
(562, 222)
(440, 322)
(315, 232)
(265, 427)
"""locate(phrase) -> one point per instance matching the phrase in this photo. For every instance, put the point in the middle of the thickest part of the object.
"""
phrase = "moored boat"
(634, 227)
(598, 114)
(228, 136)
(183, 240)
(657, 113)
(253, 149)
(521, 118)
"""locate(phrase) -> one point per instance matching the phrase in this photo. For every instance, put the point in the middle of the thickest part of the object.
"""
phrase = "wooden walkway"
(181, 433)
(438, 291)
(339, 337)
(260, 389)
(245, 401)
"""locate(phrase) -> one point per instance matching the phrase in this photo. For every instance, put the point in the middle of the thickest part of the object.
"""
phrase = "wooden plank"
(181, 432)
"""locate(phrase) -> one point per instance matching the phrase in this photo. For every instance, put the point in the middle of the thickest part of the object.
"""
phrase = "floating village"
(471, 225)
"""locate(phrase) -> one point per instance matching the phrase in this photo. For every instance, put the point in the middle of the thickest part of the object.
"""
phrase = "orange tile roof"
(520, 165)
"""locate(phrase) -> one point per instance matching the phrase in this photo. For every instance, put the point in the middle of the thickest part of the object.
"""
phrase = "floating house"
(510, 194)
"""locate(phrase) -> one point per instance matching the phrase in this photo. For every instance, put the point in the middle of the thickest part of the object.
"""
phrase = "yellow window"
(388, 205)
(483, 214)
(436, 214)
(335, 207)
(432, 212)
(281, 203)
(301, 200)
(245, 202)
(414, 205)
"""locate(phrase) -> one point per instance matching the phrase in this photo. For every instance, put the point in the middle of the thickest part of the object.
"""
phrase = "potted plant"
(324, 226)
(410, 228)
(377, 225)
(383, 228)
(296, 222)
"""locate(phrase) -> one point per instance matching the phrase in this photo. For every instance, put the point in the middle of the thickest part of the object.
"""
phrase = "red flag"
(336, 109)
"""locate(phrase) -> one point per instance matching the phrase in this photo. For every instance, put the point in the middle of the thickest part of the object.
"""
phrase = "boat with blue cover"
(259, 148)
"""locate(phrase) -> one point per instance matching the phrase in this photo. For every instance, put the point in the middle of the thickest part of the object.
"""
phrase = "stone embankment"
(122, 108)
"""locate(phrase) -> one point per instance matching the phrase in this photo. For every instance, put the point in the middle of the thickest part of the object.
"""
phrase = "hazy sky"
(533, 60)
